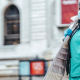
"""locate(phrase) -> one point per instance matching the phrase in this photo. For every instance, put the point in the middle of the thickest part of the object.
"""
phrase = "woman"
(74, 51)
(69, 53)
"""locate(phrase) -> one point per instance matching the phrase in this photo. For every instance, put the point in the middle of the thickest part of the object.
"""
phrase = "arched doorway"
(12, 26)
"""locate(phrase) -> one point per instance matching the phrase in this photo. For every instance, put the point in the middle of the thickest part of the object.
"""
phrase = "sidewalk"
(23, 78)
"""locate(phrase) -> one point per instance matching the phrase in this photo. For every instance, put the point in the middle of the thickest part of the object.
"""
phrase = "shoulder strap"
(74, 31)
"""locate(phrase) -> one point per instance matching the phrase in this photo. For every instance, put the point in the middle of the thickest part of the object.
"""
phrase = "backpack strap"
(69, 53)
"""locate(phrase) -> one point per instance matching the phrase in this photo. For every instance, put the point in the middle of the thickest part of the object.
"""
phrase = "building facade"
(29, 27)
(24, 27)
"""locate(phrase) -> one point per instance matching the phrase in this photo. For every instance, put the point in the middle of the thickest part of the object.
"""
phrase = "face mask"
(79, 14)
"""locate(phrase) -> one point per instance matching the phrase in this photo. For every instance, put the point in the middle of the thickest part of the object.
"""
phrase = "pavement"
(23, 78)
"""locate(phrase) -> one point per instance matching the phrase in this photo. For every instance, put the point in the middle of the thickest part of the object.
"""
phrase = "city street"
(36, 38)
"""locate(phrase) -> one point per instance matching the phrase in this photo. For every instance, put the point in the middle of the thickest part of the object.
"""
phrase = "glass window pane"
(12, 26)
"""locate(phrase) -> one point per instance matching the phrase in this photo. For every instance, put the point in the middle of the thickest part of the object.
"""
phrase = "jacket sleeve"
(57, 68)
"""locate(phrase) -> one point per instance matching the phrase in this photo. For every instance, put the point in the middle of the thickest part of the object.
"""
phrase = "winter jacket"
(57, 70)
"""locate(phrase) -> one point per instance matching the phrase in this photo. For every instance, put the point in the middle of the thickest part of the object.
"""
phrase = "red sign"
(69, 9)
(37, 68)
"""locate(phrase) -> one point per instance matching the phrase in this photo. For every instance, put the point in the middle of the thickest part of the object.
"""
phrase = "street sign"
(37, 68)
(24, 68)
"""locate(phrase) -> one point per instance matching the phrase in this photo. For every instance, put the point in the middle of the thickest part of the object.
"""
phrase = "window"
(12, 26)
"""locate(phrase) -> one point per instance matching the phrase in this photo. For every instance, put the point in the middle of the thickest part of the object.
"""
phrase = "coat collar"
(74, 18)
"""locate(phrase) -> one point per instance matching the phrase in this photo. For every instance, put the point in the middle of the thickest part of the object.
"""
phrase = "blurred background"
(30, 28)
